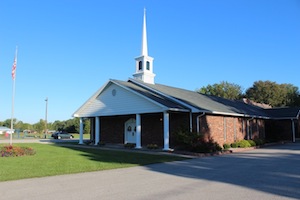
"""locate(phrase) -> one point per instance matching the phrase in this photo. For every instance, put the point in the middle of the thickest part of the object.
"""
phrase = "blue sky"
(67, 49)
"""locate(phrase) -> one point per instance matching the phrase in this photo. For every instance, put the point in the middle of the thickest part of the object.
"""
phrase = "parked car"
(62, 135)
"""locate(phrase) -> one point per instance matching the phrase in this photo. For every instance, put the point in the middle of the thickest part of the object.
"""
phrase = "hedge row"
(244, 144)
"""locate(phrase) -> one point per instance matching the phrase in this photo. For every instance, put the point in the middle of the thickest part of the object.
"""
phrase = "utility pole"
(46, 130)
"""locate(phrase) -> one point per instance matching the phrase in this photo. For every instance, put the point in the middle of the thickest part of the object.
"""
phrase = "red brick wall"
(278, 130)
(152, 129)
(112, 128)
(226, 129)
(258, 129)
(178, 121)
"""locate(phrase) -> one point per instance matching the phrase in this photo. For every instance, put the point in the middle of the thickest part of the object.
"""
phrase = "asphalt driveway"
(267, 173)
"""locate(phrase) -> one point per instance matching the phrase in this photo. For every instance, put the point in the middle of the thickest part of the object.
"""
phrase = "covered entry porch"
(140, 129)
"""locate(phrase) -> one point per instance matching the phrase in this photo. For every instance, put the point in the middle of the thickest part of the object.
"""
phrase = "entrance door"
(130, 131)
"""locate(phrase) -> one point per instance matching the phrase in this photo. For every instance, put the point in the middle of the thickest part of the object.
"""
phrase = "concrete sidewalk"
(267, 173)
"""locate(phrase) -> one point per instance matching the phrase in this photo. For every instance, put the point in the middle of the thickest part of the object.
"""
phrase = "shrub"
(101, 143)
(259, 141)
(234, 145)
(89, 142)
(152, 146)
(15, 151)
(252, 143)
(129, 145)
(196, 142)
(206, 147)
(241, 144)
(244, 144)
(226, 146)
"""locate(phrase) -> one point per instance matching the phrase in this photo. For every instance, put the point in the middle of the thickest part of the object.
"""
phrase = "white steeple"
(144, 63)
(144, 37)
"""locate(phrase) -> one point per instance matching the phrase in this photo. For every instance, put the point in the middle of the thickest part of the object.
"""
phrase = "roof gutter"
(239, 115)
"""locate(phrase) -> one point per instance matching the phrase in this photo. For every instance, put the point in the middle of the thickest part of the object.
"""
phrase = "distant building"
(5, 130)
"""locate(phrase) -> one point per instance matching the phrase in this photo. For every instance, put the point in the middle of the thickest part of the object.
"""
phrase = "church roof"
(185, 99)
(283, 113)
(151, 94)
(182, 100)
(194, 101)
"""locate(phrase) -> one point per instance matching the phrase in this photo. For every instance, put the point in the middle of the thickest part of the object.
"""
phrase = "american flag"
(14, 67)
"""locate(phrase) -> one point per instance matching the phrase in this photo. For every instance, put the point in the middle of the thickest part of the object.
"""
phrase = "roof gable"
(115, 99)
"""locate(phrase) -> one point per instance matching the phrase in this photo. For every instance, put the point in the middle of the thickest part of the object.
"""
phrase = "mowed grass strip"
(51, 160)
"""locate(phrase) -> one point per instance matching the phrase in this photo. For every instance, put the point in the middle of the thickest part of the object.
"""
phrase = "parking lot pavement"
(266, 173)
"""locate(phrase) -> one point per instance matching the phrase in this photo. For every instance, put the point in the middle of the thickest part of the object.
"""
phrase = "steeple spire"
(144, 37)
(144, 63)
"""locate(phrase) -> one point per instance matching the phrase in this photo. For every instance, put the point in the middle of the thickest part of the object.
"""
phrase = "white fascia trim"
(179, 110)
(238, 115)
(75, 114)
(122, 114)
(298, 114)
(140, 95)
(283, 118)
(163, 94)
(250, 116)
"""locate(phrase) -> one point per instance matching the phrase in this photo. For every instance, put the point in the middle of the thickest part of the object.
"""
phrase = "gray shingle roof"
(152, 95)
(183, 100)
(178, 98)
(209, 103)
(281, 113)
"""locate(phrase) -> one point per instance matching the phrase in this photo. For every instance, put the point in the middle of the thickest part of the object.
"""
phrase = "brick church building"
(143, 112)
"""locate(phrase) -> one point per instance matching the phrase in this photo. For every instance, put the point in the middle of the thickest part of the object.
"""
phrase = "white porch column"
(97, 130)
(166, 132)
(138, 131)
(80, 130)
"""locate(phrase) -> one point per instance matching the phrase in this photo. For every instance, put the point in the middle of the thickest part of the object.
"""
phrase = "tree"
(18, 125)
(40, 126)
(59, 125)
(224, 89)
(72, 125)
(87, 126)
(274, 94)
(26, 126)
(292, 95)
(7, 123)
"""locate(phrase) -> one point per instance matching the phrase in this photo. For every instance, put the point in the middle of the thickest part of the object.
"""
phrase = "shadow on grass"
(119, 156)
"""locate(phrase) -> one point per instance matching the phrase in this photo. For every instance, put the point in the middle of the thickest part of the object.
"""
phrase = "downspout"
(293, 130)
(248, 127)
(191, 122)
(198, 123)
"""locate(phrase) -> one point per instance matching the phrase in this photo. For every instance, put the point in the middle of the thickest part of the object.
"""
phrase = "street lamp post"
(46, 130)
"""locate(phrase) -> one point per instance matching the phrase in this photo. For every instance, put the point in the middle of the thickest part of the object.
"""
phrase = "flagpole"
(13, 73)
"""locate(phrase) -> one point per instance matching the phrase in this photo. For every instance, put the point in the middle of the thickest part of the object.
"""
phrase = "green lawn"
(51, 159)
(85, 136)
